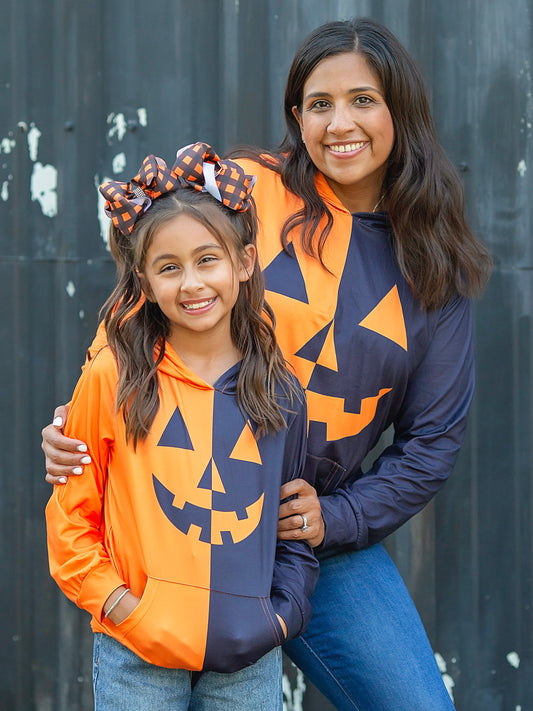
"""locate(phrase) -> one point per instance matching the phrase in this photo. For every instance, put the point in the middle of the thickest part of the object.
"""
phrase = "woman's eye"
(207, 259)
(168, 268)
(320, 104)
(363, 100)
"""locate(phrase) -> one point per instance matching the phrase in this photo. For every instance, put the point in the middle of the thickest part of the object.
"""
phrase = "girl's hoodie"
(187, 521)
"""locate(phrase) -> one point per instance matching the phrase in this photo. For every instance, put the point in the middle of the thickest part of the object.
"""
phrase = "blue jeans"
(122, 680)
(365, 647)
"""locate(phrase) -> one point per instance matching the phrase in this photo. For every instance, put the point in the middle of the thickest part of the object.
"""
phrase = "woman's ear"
(247, 263)
(298, 117)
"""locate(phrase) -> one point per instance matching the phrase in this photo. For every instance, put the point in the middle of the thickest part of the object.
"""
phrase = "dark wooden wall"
(87, 89)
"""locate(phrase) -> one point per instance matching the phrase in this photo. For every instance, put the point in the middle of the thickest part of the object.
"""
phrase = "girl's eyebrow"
(215, 245)
(202, 248)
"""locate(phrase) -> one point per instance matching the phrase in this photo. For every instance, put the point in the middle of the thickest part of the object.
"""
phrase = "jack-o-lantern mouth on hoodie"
(209, 525)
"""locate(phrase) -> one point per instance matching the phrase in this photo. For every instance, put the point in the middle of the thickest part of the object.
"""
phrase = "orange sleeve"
(78, 560)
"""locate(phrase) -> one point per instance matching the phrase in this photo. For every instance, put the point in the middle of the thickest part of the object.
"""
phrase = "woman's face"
(347, 128)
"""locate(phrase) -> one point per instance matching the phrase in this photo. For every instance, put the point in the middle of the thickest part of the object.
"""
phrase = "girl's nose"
(191, 280)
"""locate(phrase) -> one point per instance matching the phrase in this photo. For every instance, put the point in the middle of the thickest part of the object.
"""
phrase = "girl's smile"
(198, 305)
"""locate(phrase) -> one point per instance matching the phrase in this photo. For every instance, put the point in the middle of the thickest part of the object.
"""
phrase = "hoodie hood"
(173, 366)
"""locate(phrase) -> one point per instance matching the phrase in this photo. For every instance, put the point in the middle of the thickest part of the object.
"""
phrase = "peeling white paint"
(7, 145)
(81, 315)
(33, 141)
(119, 163)
(4, 192)
(446, 678)
(522, 168)
(449, 683)
(518, 708)
(440, 662)
(118, 126)
(293, 698)
(103, 219)
(70, 289)
(142, 116)
(43, 188)
(513, 659)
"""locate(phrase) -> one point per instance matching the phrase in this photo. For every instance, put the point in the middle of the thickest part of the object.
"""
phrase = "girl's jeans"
(365, 647)
(122, 680)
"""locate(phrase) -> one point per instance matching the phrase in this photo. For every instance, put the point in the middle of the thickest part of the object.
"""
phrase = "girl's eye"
(168, 268)
(207, 259)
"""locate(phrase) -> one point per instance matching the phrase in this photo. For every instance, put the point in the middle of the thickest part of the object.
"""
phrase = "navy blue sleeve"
(428, 432)
(295, 567)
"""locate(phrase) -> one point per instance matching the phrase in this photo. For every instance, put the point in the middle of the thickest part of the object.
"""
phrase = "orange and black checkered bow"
(202, 169)
(197, 166)
(126, 202)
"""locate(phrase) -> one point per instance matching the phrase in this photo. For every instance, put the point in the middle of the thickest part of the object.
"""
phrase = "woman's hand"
(121, 609)
(64, 456)
(304, 510)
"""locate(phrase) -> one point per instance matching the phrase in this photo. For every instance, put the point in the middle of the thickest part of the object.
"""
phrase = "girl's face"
(347, 128)
(193, 279)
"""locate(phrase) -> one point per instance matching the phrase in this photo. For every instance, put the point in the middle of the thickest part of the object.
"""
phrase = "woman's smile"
(347, 147)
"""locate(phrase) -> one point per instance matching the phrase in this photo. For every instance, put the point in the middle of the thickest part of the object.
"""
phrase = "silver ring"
(304, 527)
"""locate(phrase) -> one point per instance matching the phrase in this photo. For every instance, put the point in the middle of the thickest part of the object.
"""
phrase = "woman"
(370, 267)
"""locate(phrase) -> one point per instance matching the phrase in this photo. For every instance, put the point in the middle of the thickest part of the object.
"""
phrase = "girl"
(194, 422)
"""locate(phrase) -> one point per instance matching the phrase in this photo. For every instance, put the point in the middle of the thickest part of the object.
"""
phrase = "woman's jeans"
(122, 680)
(365, 647)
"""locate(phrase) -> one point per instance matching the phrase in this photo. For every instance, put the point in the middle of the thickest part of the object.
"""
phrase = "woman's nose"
(342, 120)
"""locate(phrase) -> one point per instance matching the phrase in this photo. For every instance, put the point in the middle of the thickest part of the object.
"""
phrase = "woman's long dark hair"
(136, 328)
(423, 194)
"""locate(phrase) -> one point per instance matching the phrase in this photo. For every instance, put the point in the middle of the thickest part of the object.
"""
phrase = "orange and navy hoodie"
(371, 359)
(187, 521)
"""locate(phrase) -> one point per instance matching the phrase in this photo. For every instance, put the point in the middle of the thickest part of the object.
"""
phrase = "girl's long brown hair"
(422, 192)
(136, 328)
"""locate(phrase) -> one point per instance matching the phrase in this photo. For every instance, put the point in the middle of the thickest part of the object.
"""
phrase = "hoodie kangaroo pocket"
(169, 625)
(184, 627)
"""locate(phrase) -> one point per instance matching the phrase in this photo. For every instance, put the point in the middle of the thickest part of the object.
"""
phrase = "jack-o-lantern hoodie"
(188, 522)
(370, 357)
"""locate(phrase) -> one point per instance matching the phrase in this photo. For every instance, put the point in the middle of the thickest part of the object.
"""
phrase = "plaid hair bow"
(126, 202)
(201, 168)
(197, 166)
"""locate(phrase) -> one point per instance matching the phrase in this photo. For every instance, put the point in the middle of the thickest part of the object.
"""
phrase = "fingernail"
(82, 447)
(85, 460)
(58, 421)
(77, 470)
(62, 479)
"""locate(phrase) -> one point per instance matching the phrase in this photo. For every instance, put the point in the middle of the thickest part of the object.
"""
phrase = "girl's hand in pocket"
(123, 608)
